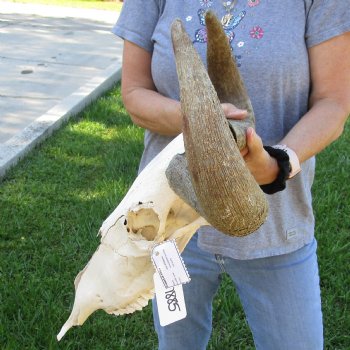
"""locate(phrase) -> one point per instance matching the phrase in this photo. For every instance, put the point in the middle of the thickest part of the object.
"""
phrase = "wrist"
(282, 159)
(270, 172)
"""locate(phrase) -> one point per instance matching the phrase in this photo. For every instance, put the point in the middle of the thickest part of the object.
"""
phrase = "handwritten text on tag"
(170, 302)
(169, 264)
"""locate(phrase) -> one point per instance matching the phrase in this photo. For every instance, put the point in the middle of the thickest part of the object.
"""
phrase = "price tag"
(169, 264)
(170, 302)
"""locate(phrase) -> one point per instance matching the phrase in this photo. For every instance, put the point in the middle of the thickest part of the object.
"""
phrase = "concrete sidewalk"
(53, 62)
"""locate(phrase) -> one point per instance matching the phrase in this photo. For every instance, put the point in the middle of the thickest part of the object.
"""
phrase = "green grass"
(111, 5)
(53, 203)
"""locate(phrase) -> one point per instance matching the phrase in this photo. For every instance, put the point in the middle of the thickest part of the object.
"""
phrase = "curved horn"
(226, 78)
(228, 194)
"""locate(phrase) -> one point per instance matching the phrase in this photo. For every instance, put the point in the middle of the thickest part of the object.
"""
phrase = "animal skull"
(159, 205)
(119, 276)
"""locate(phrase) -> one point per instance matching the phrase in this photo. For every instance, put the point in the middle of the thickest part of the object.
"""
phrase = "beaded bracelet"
(279, 184)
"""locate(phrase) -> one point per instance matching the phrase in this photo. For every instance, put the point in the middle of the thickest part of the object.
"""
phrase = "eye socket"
(145, 222)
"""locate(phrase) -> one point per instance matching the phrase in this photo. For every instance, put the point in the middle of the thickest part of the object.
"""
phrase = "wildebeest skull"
(176, 193)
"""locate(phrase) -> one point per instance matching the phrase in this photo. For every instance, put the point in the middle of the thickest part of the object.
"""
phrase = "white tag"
(169, 264)
(170, 302)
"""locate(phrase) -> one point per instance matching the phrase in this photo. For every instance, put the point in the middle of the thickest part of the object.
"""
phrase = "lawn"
(111, 5)
(54, 201)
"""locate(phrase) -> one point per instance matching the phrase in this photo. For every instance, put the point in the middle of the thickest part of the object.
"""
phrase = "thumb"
(254, 142)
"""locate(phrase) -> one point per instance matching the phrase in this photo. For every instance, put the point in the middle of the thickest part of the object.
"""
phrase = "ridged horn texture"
(228, 194)
(226, 78)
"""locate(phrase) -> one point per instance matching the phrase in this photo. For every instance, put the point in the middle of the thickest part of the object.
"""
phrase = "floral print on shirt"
(256, 32)
(200, 35)
(253, 33)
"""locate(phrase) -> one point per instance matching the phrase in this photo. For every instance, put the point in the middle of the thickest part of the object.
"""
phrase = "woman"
(291, 57)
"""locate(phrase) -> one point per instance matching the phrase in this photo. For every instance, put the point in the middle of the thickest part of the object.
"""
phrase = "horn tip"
(210, 15)
(177, 29)
(211, 19)
(177, 24)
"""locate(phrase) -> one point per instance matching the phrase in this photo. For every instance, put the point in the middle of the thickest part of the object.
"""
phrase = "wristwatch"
(294, 164)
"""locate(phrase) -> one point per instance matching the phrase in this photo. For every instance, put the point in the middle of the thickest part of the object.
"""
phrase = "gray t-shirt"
(270, 40)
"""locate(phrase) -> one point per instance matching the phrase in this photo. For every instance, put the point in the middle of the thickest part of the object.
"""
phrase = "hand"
(263, 167)
(232, 112)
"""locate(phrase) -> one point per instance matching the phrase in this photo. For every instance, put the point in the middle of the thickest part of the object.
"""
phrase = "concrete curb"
(19, 145)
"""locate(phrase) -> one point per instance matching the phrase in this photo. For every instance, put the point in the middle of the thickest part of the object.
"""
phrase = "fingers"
(232, 112)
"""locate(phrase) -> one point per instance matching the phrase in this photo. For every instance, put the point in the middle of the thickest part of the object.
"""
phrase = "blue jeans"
(280, 296)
